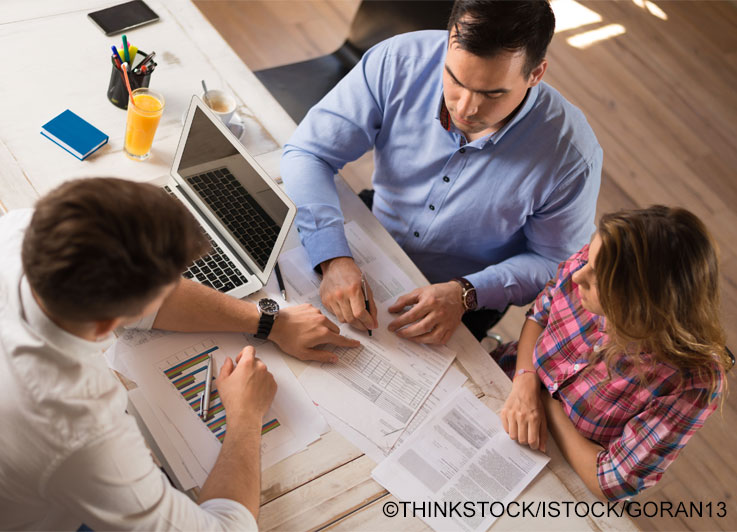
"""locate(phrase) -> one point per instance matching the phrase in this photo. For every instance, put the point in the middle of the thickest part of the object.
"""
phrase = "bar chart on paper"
(186, 370)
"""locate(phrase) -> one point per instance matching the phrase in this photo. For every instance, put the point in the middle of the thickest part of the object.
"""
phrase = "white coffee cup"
(221, 103)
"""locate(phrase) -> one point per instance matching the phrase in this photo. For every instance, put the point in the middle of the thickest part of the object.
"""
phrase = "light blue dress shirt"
(501, 211)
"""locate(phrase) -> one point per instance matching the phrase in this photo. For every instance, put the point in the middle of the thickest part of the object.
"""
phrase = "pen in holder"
(117, 93)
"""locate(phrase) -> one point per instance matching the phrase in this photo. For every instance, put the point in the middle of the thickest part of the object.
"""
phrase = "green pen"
(125, 50)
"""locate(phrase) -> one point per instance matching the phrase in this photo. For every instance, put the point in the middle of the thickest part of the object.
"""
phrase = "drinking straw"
(127, 83)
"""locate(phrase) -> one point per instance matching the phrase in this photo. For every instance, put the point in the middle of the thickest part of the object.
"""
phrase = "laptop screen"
(232, 189)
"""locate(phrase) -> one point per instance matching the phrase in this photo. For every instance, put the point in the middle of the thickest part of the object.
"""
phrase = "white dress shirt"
(69, 453)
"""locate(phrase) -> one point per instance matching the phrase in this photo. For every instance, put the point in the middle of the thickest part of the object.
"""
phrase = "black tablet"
(123, 17)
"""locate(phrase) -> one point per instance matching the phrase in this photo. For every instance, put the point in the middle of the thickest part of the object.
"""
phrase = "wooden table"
(58, 59)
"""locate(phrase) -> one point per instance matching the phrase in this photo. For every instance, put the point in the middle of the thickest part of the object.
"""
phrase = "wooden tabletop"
(62, 60)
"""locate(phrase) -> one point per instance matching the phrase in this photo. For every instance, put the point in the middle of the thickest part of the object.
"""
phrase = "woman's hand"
(523, 414)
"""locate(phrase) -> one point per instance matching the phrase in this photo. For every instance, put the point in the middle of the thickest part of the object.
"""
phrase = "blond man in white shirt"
(97, 254)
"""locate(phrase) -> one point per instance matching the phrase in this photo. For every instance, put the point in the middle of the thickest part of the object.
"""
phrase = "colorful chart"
(187, 370)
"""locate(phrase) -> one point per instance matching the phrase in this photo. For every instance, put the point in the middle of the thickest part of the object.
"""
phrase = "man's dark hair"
(103, 248)
(487, 27)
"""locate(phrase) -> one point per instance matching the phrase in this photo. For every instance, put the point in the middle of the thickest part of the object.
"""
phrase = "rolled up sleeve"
(650, 442)
(540, 310)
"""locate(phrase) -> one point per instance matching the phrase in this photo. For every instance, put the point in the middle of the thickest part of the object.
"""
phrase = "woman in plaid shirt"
(622, 357)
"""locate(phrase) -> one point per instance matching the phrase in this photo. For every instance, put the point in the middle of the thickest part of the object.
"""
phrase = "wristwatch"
(268, 310)
(468, 296)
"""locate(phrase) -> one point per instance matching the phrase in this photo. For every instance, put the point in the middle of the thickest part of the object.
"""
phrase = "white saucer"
(235, 125)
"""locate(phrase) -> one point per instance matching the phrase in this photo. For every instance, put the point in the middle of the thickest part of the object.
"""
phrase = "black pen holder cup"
(117, 92)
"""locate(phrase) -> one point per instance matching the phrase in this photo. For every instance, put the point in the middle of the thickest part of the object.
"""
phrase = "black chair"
(731, 355)
(299, 86)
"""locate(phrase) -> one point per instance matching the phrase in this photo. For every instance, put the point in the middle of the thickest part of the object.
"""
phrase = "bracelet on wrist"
(522, 371)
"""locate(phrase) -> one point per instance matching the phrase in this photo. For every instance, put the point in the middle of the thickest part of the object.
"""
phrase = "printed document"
(447, 387)
(460, 455)
(376, 388)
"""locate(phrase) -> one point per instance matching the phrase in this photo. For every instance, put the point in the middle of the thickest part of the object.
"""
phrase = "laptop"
(240, 208)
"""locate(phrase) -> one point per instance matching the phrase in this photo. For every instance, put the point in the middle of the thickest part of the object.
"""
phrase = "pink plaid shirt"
(642, 428)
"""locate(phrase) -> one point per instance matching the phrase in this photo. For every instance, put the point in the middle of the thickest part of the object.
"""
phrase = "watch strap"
(265, 323)
(468, 294)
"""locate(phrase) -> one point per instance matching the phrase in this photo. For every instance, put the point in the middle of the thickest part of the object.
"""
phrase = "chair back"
(377, 20)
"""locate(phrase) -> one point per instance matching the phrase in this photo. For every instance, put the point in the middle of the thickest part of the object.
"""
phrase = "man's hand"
(342, 295)
(245, 389)
(298, 330)
(436, 313)
(523, 414)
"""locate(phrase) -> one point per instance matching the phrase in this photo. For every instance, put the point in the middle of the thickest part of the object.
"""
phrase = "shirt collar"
(528, 103)
(40, 323)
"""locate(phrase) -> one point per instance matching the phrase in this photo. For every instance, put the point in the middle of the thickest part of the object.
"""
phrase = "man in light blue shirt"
(486, 176)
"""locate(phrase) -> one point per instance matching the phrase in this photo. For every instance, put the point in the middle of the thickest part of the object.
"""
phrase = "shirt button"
(555, 386)
(575, 367)
(597, 348)
(446, 179)
(417, 234)
(462, 150)
(432, 207)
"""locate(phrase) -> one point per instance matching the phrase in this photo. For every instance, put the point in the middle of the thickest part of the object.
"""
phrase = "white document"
(170, 370)
(460, 454)
(448, 385)
(376, 388)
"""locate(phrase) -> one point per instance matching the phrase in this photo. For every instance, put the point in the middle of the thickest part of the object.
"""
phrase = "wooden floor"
(662, 99)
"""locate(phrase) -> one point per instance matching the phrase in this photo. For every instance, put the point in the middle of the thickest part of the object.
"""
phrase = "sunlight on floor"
(652, 8)
(587, 38)
(569, 14)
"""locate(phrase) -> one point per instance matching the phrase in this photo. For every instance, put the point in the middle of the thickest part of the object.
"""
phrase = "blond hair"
(658, 280)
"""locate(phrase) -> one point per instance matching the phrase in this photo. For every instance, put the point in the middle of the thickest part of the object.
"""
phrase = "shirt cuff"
(231, 514)
(540, 317)
(612, 484)
(325, 244)
(489, 290)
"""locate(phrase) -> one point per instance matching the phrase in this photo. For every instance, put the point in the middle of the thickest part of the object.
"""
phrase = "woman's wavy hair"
(657, 274)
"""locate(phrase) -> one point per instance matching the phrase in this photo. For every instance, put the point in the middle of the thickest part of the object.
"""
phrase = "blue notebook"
(74, 134)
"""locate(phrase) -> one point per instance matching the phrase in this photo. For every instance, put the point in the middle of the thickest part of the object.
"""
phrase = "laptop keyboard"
(215, 269)
(239, 212)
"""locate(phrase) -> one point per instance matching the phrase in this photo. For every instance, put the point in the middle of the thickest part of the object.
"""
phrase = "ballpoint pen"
(205, 401)
(146, 59)
(280, 281)
(365, 298)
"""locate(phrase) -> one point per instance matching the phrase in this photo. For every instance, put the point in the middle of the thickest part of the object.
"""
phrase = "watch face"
(470, 299)
(268, 306)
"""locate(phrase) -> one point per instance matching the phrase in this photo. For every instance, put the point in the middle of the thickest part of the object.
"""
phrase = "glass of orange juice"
(144, 112)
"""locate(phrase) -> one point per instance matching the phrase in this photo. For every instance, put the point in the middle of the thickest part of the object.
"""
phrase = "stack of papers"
(404, 406)
(170, 368)
(379, 387)
(460, 456)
